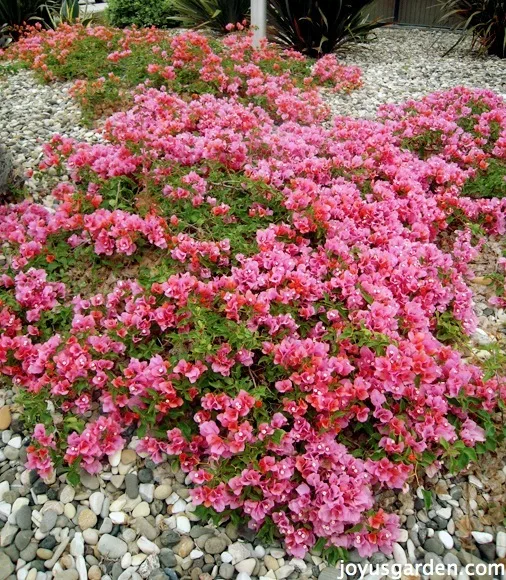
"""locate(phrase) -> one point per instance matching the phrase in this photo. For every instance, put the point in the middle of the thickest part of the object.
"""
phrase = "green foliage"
(334, 555)
(317, 27)
(424, 144)
(214, 13)
(495, 364)
(427, 498)
(68, 13)
(484, 20)
(457, 456)
(141, 13)
(11, 68)
(449, 329)
(489, 182)
(331, 554)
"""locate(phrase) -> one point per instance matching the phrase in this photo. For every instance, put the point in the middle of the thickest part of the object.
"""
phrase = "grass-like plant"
(214, 13)
(484, 20)
(317, 27)
(18, 12)
(68, 12)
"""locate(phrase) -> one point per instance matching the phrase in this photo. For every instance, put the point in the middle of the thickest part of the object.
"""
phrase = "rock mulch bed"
(30, 114)
(406, 63)
(134, 520)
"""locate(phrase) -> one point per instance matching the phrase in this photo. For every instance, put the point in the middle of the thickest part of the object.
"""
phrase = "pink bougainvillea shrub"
(264, 298)
(283, 82)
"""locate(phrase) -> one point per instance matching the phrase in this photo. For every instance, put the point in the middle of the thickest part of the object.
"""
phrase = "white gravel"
(30, 114)
(405, 63)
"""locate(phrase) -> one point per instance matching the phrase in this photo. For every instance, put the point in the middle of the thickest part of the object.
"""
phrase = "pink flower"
(471, 434)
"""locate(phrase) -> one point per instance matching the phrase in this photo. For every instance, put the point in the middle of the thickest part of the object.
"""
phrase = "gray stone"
(111, 547)
(226, 571)
(232, 531)
(40, 487)
(6, 566)
(29, 553)
(145, 475)
(23, 539)
(158, 575)
(432, 559)
(132, 485)
(157, 507)
(49, 542)
(167, 558)
(215, 545)
(106, 527)
(12, 552)
(11, 453)
(413, 536)
(378, 558)
(10, 475)
(6, 168)
(10, 496)
(434, 545)
(48, 521)
(89, 481)
(467, 558)
(487, 551)
(116, 571)
(39, 565)
(198, 531)
(451, 559)
(144, 528)
(330, 574)
(169, 538)
(354, 556)
(440, 523)
(150, 564)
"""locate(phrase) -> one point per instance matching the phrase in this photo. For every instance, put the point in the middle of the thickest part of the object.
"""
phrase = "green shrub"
(214, 13)
(141, 13)
(484, 20)
(317, 27)
(489, 182)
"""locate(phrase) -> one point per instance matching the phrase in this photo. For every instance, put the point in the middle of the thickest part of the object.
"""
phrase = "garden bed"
(171, 196)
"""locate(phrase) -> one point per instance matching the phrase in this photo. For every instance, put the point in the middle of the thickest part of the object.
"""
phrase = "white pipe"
(258, 20)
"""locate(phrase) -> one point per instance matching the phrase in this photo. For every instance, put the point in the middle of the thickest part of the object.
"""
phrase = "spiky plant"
(213, 13)
(317, 27)
(19, 12)
(484, 20)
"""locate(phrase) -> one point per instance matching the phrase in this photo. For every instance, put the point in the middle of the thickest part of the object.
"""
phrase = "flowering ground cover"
(270, 298)
(117, 61)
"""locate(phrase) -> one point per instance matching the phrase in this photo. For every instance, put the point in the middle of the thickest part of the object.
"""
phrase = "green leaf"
(320, 545)
(427, 498)
(278, 435)
(73, 477)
